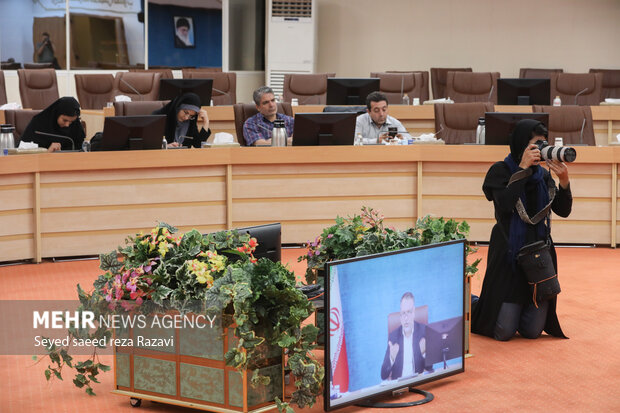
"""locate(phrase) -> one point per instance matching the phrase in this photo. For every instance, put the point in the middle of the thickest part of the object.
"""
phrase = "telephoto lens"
(556, 153)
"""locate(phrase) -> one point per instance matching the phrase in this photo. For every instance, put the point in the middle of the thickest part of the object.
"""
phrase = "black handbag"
(536, 263)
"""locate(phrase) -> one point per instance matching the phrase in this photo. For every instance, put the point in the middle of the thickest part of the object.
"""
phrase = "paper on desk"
(223, 138)
(11, 106)
(427, 137)
(618, 137)
(122, 98)
(442, 100)
(612, 100)
(27, 145)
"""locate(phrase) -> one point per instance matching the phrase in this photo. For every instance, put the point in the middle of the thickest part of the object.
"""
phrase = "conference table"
(78, 204)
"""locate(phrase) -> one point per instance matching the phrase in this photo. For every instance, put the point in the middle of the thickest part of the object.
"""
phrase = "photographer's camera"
(556, 153)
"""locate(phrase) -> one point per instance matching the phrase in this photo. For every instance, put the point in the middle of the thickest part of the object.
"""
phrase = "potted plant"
(260, 315)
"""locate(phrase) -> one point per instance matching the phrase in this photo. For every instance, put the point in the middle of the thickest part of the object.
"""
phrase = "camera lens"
(558, 153)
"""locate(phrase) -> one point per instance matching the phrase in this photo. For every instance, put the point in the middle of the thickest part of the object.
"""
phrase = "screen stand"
(136, 144)
(428, 397)
(523, 100)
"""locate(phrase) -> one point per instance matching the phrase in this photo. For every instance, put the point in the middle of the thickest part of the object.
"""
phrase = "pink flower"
(330, 236)
(317, 252)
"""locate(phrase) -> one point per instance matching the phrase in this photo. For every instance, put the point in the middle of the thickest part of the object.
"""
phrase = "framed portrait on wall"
(183, 32)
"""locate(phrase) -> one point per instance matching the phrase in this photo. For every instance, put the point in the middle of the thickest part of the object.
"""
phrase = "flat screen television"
(499, 125)
(374, 302)
(133, 132)
(523, 91)
(350, 91)
(171, 88)
(330, 128)
(269, 238)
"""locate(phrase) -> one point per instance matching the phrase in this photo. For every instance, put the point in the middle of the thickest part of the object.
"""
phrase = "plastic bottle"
(480, 131)
(359, 141)
(405, 99)
(164, 143)
(557, 101)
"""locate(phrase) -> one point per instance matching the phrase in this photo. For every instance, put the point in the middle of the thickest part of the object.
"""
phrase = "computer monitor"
(417, 293)
(350, 91)
(523, 91)
(133, 132)
(269, 238)
(499, 125)
(334, 128)
(171, 88)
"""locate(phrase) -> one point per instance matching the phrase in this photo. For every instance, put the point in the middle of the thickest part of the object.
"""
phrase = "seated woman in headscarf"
(181, 127)
(61, 118)
(506, 305)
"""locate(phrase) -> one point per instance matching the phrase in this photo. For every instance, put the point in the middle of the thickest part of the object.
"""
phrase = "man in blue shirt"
(257, 129)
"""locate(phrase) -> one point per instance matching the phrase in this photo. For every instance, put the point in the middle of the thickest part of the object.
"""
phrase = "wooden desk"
(87, 203)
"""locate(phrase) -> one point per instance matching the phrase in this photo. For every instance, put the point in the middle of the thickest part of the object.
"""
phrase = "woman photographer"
(506, 303)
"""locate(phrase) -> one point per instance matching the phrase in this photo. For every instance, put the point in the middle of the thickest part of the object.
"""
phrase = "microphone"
(491, 92)
(439, 131)
(577, 95)
(133, 89)
(583, 124)
(54, 136)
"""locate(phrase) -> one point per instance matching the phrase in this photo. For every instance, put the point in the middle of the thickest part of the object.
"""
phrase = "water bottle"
(164, 143)
(480, 131)
(359, 141)
(405, 99)
(278, 136)
(6, 138)
(557, 101)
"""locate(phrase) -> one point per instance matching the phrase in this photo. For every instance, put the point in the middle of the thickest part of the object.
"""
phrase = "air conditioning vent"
(293, 9)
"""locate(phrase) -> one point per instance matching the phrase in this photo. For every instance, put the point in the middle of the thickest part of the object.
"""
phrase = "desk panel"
(87, 203)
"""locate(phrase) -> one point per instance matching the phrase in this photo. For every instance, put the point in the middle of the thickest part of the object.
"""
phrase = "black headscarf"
(172, 109)
(520, 137)
(47, 121)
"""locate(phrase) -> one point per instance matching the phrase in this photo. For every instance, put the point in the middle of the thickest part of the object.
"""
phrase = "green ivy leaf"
(109, 262)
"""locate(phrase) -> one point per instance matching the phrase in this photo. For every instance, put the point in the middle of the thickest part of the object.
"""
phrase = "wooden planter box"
(192, 373)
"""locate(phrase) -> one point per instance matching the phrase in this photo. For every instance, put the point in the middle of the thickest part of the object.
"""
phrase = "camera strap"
(540, 215)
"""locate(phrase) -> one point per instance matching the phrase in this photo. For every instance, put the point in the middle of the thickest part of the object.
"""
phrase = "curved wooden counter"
(86, 203)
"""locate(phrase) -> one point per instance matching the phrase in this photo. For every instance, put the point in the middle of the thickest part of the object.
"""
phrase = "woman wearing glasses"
(181, 122)
(57, 127)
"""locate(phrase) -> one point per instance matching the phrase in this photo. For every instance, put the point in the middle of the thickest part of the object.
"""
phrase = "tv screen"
(133, 132)
(269, 238)
(171, 88)
(499, 125)
(379, 303)
(350, 91)
(332, 128)
(523, 91)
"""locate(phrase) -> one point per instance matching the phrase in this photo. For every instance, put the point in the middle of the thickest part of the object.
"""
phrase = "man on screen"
(257, 129)
(404, 356)
(375, 123)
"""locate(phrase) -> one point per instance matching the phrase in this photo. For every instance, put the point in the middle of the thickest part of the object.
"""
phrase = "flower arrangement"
(366, 234)
(161, 271)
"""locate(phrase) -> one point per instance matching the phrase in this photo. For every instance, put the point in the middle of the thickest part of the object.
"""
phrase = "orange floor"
(546, 375)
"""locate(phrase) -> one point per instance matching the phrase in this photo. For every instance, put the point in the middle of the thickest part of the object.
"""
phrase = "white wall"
(16, 33)
(360, 36)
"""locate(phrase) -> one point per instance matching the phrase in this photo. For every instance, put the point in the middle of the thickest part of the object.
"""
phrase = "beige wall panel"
(16, 197)
(128, 193)
(97, 242)
(590, 187)
(480, 231)
(318, 186)
(16, 222)
(460, 185)
(478, 208)
(581, 232)
(479, 169)
(429, 33)
(302, 232)
(132, 174)
(16, 179)
(327, 168)
(276, 211)
(103, 218)
(16, 249)
(589, 209)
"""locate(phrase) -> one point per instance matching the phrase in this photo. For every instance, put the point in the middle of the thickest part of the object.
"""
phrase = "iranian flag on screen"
(337, 344)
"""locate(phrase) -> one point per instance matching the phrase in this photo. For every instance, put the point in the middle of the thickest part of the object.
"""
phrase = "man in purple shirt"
(257, 129)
